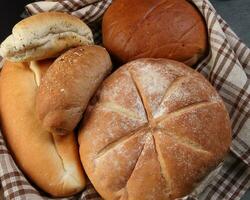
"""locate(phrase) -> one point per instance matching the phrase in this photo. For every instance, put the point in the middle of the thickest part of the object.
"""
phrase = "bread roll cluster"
(43, 98)
(152, 130)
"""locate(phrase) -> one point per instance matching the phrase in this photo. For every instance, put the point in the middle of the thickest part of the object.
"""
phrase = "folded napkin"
(227, 67)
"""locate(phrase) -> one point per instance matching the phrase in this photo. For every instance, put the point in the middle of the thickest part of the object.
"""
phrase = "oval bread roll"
(155, 130)
(45, 35)
(50, 161)
(68, 85)
(170, 29)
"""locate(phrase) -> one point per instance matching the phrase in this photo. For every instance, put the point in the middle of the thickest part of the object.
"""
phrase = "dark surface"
(237, 15)
(246, 196)
(235, 12)
(10, 11)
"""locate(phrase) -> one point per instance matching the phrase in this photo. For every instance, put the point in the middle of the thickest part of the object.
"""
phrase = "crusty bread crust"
(50, 161)
(68, 85)
(45, 35)
(153, 131)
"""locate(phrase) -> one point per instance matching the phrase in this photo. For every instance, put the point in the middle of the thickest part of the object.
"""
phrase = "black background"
(10, 11)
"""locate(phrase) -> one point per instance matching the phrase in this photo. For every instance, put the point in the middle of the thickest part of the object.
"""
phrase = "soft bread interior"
(34, 67)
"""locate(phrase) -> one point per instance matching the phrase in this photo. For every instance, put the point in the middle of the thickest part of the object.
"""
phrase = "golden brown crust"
(50, 161)
(158, 127)
(68, 85)
(156, 29)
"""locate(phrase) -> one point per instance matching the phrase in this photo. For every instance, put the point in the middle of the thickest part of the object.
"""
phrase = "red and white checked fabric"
(227, 67)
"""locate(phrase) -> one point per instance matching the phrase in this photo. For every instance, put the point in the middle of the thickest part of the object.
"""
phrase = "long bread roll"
(50, 161)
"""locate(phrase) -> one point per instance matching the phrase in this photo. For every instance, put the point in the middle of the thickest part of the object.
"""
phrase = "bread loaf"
(153, 131)
(68, 85)
(50, 161)
(172, 29)
(45, 35)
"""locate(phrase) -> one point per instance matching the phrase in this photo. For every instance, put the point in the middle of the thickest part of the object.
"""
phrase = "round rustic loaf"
(154, 129)
(156, 29)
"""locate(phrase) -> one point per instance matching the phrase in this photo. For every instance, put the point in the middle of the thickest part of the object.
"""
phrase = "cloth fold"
(227, 67)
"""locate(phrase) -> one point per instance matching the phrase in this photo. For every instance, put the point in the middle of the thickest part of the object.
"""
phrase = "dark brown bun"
(52, 162)
(172, 29)
(156, 129)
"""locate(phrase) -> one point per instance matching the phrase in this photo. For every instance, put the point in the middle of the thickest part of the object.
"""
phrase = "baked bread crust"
(68, 85)
(52, 162)
(170, 29)
(153, 131)
(45, 35)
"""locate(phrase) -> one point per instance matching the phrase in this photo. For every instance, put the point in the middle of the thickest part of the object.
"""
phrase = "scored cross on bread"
(154, 130)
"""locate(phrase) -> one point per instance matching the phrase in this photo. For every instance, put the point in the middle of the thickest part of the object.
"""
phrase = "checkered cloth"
(227, 67)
